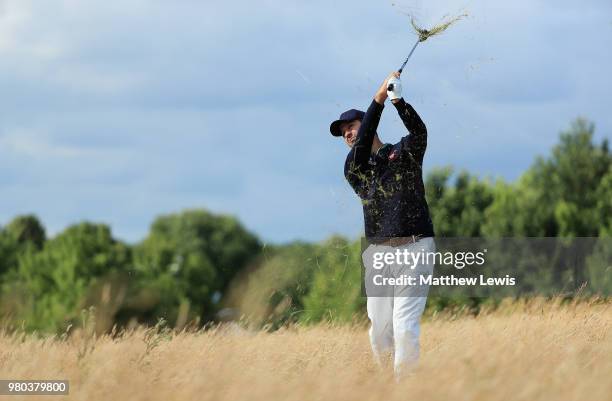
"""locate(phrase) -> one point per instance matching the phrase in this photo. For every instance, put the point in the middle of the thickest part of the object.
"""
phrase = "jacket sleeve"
(357, 162)
(415, 143)
(365, 136)
(356, 175)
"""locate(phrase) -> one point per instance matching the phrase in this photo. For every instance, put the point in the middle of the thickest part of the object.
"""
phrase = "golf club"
(424, 34)
(390, 87)
(409, 54)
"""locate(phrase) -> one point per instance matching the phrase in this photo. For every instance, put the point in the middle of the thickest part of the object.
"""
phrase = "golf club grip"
(390, 86)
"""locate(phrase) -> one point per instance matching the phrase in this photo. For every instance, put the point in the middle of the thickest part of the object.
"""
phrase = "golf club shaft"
(410, 54)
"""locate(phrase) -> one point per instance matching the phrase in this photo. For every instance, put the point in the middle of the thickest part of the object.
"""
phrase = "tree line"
(195, 267)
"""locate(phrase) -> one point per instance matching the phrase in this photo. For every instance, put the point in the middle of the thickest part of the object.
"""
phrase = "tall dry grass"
(522, 351)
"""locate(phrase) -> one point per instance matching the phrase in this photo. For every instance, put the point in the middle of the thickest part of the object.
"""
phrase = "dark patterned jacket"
(390, 183)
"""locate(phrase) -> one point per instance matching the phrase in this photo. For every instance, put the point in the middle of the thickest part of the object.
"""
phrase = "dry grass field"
(534, 351)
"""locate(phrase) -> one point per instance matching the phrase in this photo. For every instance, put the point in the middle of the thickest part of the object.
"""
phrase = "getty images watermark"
(411, 259)
(486, 267)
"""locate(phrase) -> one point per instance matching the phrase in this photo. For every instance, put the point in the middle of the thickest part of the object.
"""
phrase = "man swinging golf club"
(388, 179)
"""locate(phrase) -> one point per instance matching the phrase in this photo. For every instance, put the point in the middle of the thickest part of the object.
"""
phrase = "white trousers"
(395, 320)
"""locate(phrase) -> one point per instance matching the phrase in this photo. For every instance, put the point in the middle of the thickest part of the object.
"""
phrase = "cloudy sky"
(119, 111)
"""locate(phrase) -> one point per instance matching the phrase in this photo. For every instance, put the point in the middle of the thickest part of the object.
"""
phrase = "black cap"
(347, 116)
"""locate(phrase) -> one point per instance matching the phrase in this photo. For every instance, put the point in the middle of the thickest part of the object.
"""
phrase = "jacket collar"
(382, 155)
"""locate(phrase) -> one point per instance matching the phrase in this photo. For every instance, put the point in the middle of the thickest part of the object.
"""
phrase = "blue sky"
(118, 112)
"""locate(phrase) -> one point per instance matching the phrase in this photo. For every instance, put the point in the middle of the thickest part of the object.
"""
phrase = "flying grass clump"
(425, 34)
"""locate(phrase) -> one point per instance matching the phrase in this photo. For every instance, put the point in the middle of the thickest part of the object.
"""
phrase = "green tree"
(604, 204)
(50, 287)
(8, 253)
(564, 188)
(457, 210)
(27, 229)
(335, 294)
(271, 292)
(20, 235)
(190, 257)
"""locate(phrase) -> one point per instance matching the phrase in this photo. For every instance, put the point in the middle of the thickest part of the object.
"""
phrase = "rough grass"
(425, 34)
(521, 351)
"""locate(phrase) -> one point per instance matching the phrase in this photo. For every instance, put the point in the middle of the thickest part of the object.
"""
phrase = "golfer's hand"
(381, 93)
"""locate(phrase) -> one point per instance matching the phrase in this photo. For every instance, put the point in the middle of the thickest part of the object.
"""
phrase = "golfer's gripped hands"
(381, 93)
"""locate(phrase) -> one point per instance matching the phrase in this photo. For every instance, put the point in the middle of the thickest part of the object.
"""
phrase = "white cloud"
(124, 110)
(24, 143)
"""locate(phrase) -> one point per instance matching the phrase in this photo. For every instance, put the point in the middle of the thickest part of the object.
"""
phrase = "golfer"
(388, 178)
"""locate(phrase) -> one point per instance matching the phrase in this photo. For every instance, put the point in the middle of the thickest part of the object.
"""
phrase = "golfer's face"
(349, 131)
